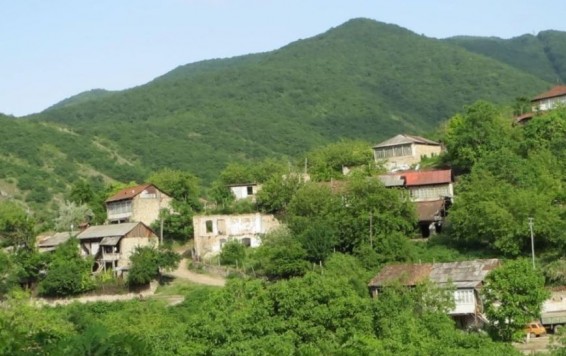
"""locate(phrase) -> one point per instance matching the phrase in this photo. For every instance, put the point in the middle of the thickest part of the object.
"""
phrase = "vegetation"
(148, 262)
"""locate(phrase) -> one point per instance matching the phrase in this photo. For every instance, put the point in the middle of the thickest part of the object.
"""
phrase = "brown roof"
(462, 274)
(406, 139)
(524, 117)
(429, 210)
(130, 192)
(559, 90)
(415, 178)
(407, 274)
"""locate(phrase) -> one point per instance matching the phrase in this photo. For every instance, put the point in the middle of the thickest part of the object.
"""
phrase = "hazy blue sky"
(53, 49)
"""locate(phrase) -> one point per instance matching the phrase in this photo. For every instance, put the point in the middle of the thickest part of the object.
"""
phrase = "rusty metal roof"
(559, 90)
(429, 210)
(130, 192)
(463, 274)
(415, 178)
(407, 274)
(406, 139)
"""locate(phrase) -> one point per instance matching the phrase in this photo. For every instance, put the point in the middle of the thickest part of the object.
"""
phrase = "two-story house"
(211, 232)
(112, 245)
(140, 203)
(431, 191)
(466, 277)
(546, 101)
(403, 151)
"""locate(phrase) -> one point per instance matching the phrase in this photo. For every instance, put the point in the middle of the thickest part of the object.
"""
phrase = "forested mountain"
(363, 79)
(543, 55)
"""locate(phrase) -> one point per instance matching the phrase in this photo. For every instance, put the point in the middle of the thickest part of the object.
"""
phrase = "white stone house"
(211, 232)
(549, 99)
(112, 245)
(403, 151)
(245, 191)
(141, 203)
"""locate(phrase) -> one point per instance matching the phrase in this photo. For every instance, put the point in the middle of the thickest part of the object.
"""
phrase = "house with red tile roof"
(141, 203)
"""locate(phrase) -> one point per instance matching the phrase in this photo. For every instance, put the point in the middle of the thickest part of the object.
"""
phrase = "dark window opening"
(250, 190)
(246, 241)
(208, 226)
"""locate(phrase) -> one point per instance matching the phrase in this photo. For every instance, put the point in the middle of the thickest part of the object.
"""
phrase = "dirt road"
(183, 272)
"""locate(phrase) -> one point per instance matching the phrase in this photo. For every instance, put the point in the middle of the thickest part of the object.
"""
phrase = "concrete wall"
(129, 244)
(431, 192)
(549, 104)
(212, 231)
(418, 151)
(145, 208)
(241, 191)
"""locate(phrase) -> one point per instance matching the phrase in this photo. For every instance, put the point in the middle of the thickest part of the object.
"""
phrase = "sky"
(51, 50)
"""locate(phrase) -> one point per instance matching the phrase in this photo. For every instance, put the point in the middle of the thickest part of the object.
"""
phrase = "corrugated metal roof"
(406, 139)
(463, 274)
(55, 239)
(558, 90)
(100, 231)
(406, 274)
(130, 192)
(392, 180)
(110, 241)
(415, 178)
(429, 210)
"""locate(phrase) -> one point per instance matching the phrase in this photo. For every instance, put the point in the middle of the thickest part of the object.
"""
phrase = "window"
(393, 151)
(208, 224)
(120, 207)
(246, 241)
(250, 190)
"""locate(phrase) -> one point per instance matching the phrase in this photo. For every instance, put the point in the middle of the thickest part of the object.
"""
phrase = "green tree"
(16, 226)
(147, 263)
(233, 253)
(326, 163)
(71, 215)
(513, 295)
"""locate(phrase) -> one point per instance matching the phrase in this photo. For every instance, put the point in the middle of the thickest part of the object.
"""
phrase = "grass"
(177, 286)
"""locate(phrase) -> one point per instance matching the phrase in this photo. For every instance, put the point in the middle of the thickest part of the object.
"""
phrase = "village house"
(546, 101)
(245, 191)
(465, 276)
(51, 242)
(141, 203)
(211, 232)
(112, 245)
(431, 191)
(403, 151)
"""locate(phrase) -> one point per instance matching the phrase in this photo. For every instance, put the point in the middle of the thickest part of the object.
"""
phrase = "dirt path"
(183, 272)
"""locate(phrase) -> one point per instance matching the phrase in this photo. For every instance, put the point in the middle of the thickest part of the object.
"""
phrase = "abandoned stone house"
(404, 151)
(141, 203)
(466, 277)
(112, 245)
(245, 191)
(431, 191)
(211, 232)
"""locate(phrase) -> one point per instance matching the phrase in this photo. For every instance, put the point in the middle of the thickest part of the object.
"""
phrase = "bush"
(233, 253)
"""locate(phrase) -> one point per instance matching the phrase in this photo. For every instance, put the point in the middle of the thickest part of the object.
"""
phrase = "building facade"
(404, 151)
(141, 203)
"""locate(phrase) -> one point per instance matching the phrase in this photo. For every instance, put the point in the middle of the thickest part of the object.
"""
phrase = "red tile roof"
(559, 90)
(415, 178)
(129, 193)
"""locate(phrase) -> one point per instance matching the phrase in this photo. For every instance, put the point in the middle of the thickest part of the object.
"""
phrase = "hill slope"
(543, 55)
(363, 79)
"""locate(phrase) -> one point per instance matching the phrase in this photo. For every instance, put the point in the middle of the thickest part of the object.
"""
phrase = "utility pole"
(532, 241)
(371, 229)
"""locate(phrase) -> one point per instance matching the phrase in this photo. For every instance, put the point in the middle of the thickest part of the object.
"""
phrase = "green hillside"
(39, 160)
(81, 98)
(543, 55)
(363, 79)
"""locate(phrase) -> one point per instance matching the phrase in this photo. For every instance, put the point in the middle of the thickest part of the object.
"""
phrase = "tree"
(71, 215)
(68, 273)
(513, 295)
(326, 163)
(16, 226)
(147, 262)
(233, 253)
